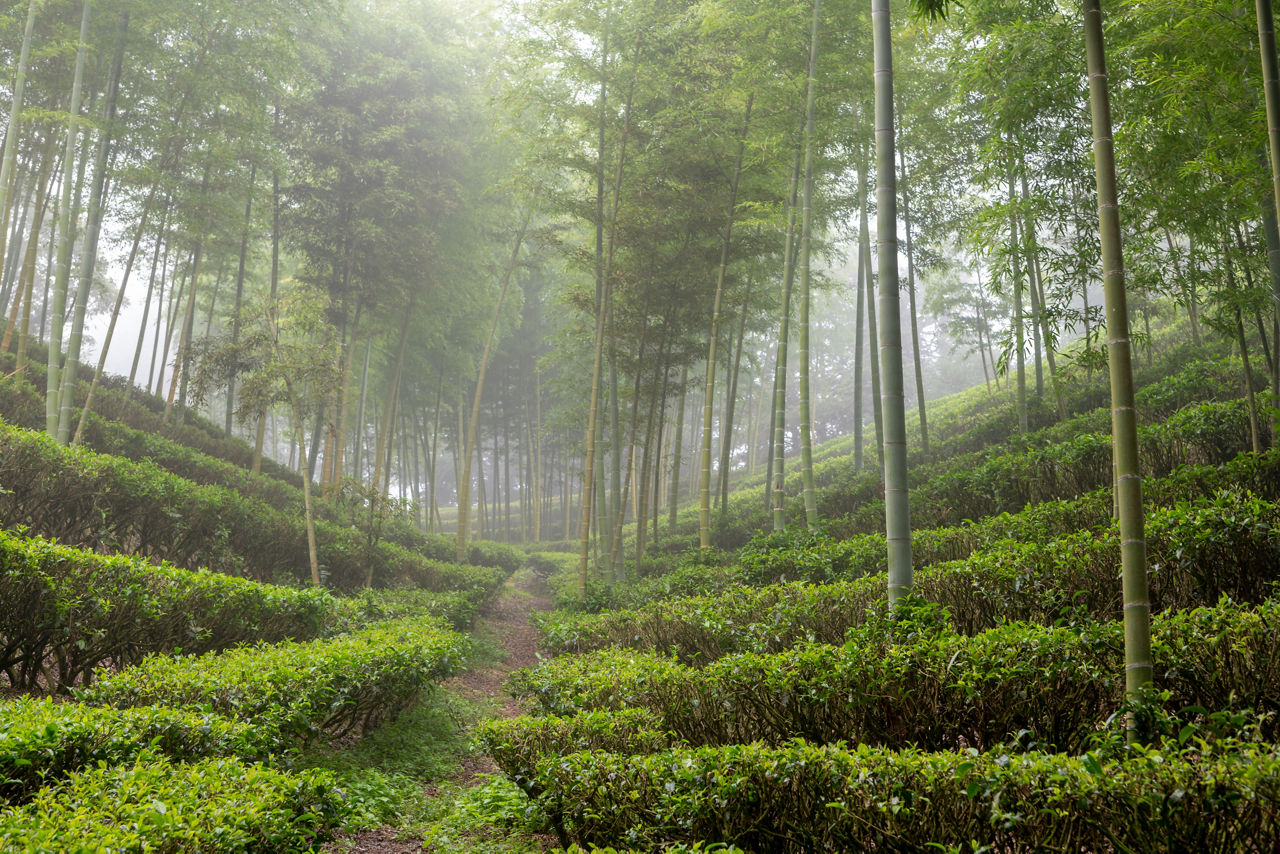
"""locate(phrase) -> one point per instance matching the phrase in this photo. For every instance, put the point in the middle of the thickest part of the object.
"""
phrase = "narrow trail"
(509, 626)
(509, 623)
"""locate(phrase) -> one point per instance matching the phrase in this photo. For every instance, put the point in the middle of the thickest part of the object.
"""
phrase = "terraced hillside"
(764, 698)
(161, 692)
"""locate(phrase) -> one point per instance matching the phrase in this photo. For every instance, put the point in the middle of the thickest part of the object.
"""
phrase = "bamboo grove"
(480, 266)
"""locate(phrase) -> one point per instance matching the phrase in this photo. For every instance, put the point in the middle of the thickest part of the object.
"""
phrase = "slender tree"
(806, 231)
(1124, 422)
(893, 403)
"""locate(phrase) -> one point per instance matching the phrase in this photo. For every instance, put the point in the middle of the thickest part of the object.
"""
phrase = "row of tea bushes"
(975, 486)
(299, 692)
(220, 804)
(1198, 551)
(518, 744)
(42, 741)
(797, 554)
(801, 797)
(109, 502)
(114, 437)
(843, 492)
(66, 611)
(916, 681)
(22, 404)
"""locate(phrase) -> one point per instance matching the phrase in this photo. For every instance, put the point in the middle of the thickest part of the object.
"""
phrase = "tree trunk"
(776, 471)
(677, 452)
(860, 300)
(27, 273)
(897, 519)
(66, 236)
(1234, 291)
(1019, 336)
(1124, 426)
(235, 315)
(1271, 88)
(1037, 288)
(806, 233)
(726, 444)
(708, 398)
(911, 296)
(873, 341)
(464, 500)
(14, 128)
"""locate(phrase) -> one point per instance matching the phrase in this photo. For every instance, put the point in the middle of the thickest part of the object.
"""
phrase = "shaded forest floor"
(462, 802)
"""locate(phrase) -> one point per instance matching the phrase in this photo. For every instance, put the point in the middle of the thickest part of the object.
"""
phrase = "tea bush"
(1228, 544)
(219, 805)
(42, 740)
(303, 691)
(917, 681)
(801, 797)
(112, 503)
(517, 744)
(65, 611)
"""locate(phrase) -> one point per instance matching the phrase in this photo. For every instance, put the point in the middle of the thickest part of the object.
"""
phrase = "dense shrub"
(66, 611)
(219, 805)
(801, 797)
(918, 682)
(300, 690)
(42, 741)
(516, 744)
(456, 607)
(111, 503)
(1198, 551)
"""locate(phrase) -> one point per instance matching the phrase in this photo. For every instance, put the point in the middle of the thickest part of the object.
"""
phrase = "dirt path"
(508, 625)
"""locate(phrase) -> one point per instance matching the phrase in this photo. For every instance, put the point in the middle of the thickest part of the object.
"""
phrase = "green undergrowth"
(1227, 544)
(914, 680)
(111, 503)
(970, 426)
(298, 692)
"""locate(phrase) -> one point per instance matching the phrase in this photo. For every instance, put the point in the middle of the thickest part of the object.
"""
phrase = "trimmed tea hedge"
(116, 504)
(456, 607)
(42, 741)
(219, 805)
(517, 744)
(65, 611)
(303, 691)
(848, 499)
(802, 797)
(898, 682)
(1229, 544)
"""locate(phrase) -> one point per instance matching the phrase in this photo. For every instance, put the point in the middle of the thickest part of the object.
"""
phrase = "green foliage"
(1226, 544)
(803, 797)
(85, 498)
(516, 744)
(153, 805)
(42, 740)
(66, 611)
(917, 681)
(456, 607)
(301, 691)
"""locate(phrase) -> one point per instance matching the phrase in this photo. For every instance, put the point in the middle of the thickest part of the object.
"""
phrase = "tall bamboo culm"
(1124, 422)
(897, 517)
